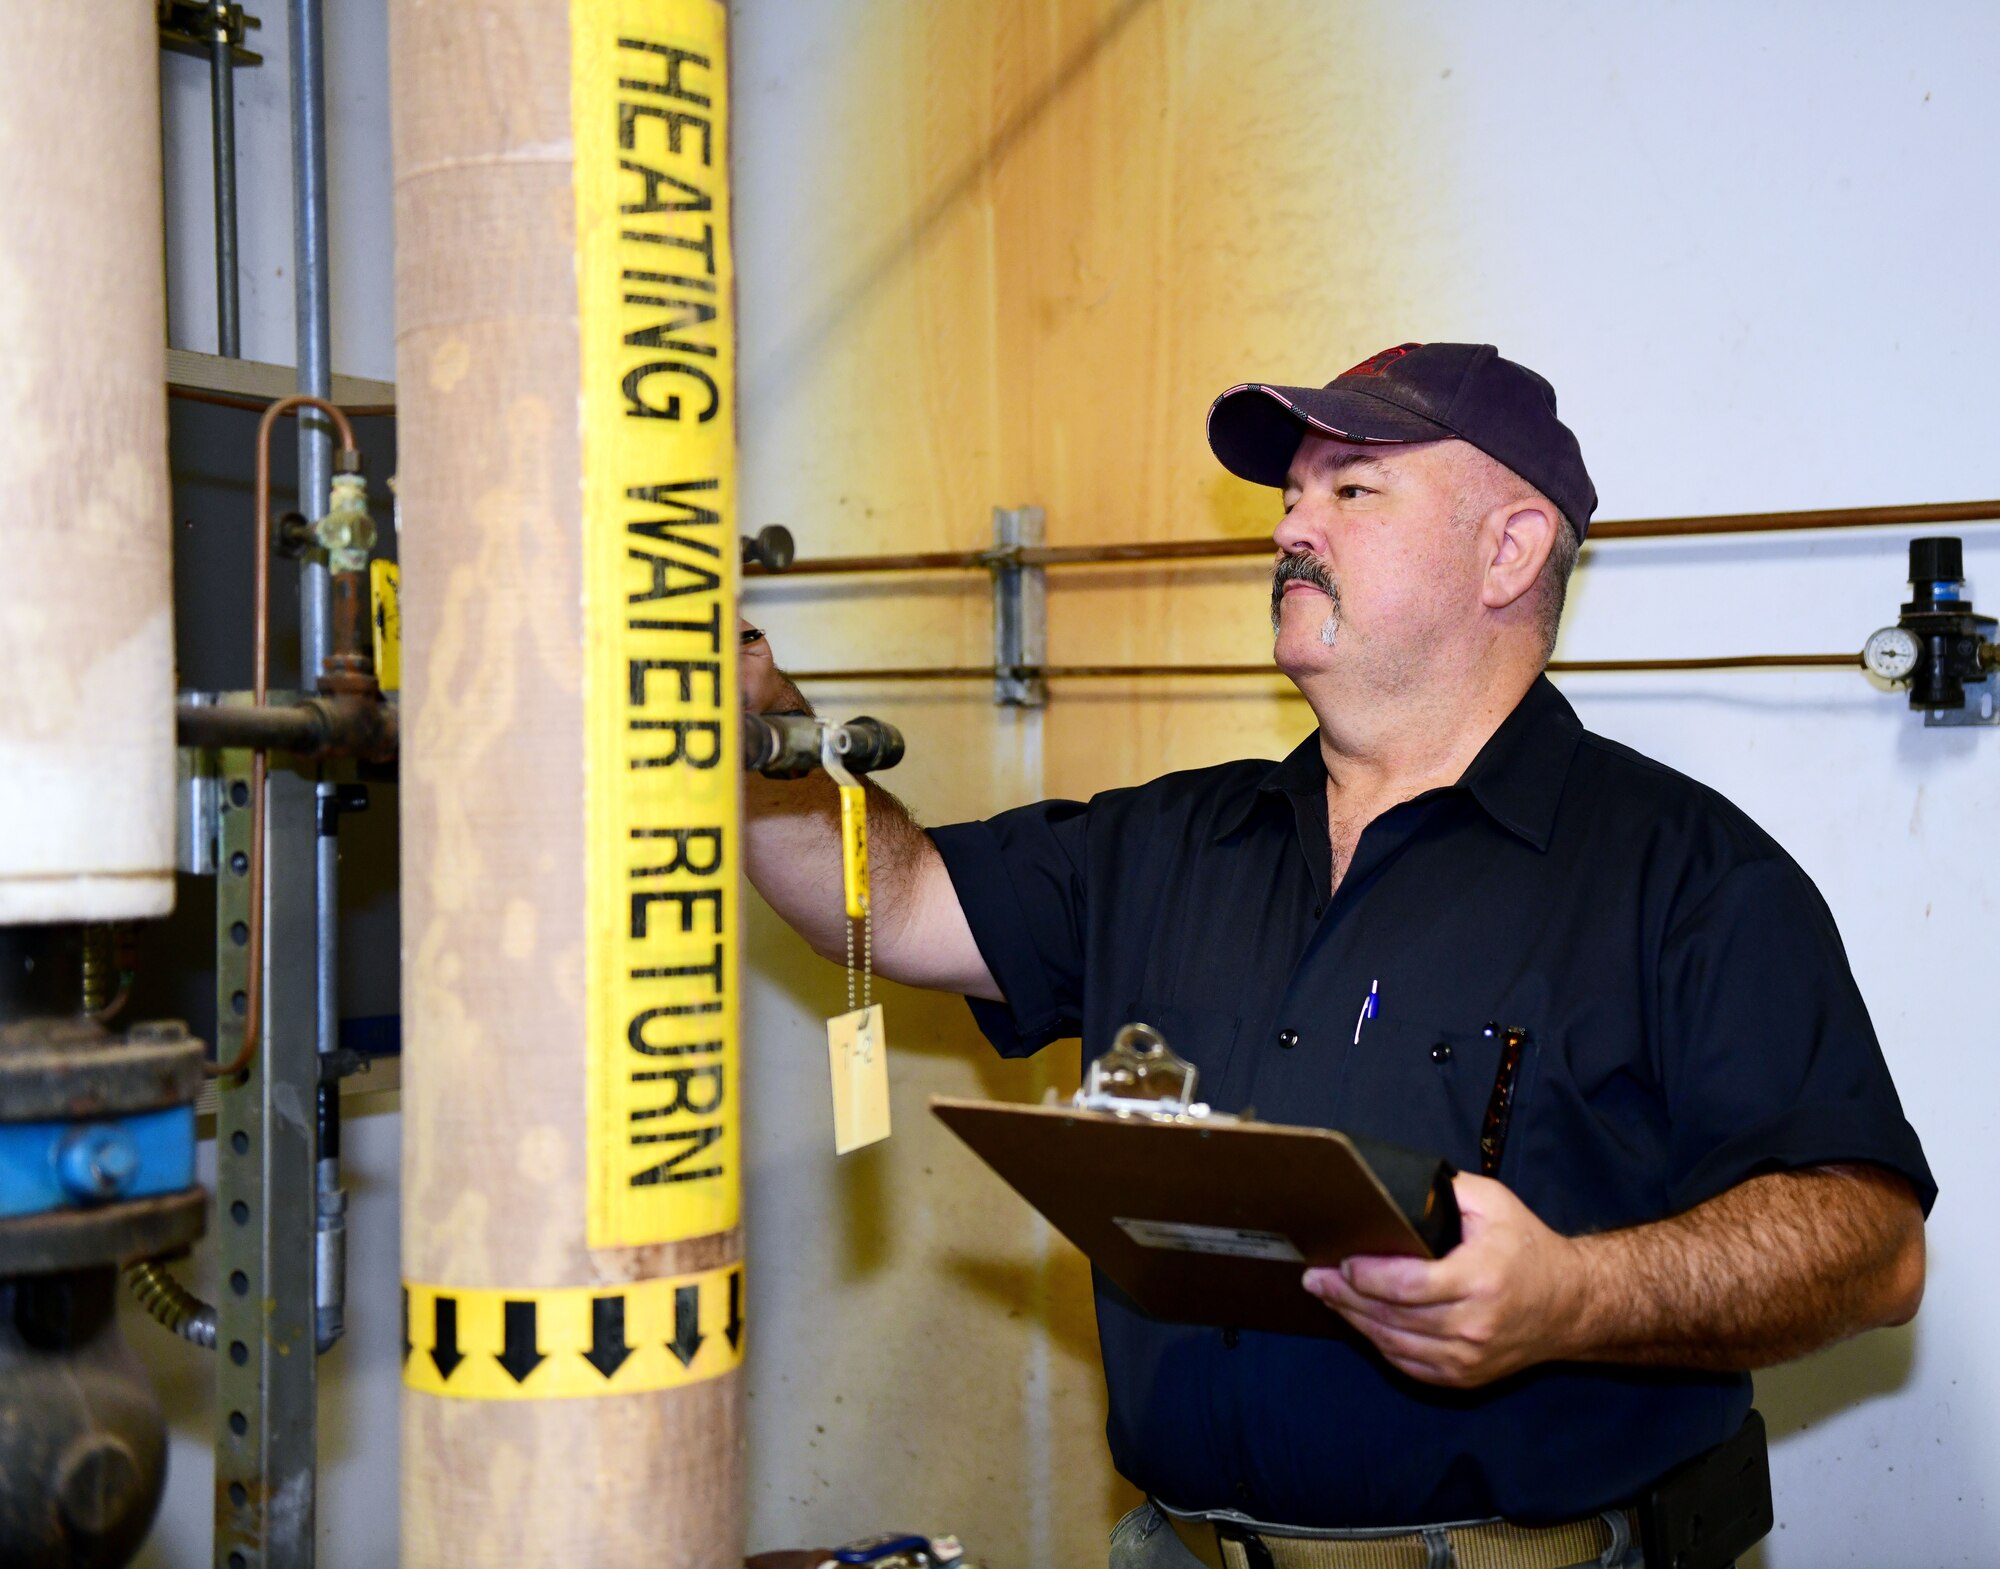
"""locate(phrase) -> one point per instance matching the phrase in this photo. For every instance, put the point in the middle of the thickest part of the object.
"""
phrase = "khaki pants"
(1145, 1540)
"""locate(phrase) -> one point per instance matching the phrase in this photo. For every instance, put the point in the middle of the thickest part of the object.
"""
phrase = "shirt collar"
(1517, 777)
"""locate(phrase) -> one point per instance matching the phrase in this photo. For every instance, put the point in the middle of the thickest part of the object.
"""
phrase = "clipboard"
(1207, 1219)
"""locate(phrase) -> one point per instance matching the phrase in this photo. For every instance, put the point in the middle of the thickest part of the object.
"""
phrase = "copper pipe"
(921, 561)
(260, 685)
(229, 400)
(1921, 515)
(1724, 662)
(350, 658)
(1114, 672)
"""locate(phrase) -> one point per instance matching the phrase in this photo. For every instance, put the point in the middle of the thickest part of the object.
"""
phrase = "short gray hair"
(1553, 585)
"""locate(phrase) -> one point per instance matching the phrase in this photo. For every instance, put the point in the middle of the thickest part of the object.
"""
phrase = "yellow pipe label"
(656, 298)
(385, 613)
(572, 1342)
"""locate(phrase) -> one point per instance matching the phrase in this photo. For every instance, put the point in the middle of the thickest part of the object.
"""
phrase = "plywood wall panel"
(1044, 236)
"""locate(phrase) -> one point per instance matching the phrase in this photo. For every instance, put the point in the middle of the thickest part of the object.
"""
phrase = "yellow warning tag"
(854, 849)
(571, 1342)
(859, 1058)
(650, 116)
(385, 594)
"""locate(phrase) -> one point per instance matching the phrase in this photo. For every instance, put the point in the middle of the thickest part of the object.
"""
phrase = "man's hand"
(1498, 1302)
(791, 842)
(763, 686)
(1774, 1267)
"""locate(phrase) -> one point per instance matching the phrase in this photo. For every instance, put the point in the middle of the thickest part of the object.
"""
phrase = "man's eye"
(1353, 490)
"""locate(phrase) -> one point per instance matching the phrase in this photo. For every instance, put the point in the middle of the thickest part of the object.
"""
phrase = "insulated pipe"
(86, 608)
(573, 1295)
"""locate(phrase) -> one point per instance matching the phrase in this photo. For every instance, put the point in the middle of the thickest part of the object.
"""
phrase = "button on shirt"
(1691, 1022)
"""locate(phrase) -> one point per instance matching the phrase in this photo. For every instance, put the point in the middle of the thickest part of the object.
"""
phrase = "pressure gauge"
(1891, 654)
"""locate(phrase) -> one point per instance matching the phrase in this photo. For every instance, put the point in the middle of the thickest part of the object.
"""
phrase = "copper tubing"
(1115, 672)
(1922, 515)
(260, 684)
(350, 657)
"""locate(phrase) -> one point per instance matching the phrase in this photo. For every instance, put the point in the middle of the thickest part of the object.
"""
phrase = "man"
(1451, 897)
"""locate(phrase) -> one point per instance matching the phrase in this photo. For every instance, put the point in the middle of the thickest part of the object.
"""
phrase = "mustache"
(1301, 567)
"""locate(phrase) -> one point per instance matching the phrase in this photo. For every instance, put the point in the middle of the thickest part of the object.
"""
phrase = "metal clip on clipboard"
(1142, 1077)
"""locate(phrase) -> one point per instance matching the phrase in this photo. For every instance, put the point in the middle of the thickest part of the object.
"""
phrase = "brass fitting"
(347, 532)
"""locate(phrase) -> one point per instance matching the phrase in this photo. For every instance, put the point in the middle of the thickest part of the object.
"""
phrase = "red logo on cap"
(1375, 364)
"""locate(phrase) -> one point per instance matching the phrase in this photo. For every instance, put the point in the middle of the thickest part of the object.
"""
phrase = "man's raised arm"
(791, 838)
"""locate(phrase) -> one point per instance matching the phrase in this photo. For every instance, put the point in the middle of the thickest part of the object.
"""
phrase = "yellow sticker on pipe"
(656, 302)
(572, 1342)
(385, 615)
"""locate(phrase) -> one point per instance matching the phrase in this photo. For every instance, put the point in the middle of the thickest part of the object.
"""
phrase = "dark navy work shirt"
(1691, 1021)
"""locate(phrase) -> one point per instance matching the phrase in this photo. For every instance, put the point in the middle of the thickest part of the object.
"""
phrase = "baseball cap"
(1413, 392)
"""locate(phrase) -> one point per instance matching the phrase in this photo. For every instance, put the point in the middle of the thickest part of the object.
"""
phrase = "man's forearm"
(791, 841)
(1776, 1267)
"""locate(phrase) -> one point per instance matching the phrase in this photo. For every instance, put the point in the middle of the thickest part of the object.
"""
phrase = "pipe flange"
(67, 1239)
(62, 1069)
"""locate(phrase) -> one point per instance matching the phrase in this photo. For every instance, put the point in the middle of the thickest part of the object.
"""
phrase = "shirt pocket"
(1205, 1037)
(1429, 1086)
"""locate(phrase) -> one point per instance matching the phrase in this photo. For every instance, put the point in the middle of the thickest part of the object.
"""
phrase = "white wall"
(1743, 243)
(1751, 248)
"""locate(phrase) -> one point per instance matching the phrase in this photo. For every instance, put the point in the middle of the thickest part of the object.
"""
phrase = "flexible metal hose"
(164, 1297)
(172, 1304)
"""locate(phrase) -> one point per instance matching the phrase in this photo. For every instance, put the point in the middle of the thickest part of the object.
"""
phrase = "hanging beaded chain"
(867, 961)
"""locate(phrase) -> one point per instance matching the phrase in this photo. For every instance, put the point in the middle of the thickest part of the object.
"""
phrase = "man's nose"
(1299, 531)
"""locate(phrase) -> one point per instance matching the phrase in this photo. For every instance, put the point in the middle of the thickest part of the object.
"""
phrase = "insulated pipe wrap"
(500, 1469)
(86, 588)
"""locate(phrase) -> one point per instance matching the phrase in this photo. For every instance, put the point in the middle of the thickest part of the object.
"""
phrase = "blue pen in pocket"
(1369, 1006)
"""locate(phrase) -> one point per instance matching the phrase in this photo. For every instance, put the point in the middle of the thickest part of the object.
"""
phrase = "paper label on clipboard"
(1231, 1241)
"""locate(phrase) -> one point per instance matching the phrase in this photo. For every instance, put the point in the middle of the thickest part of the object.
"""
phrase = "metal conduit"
(313, 317)
(1918, 515)
(222, 110)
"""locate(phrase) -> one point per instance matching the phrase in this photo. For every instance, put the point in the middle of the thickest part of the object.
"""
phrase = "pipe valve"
(347, 532)
(787, 746)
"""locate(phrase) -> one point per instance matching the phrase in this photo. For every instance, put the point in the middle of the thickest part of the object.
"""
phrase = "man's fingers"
(1432, 1320)
(1410, 1281)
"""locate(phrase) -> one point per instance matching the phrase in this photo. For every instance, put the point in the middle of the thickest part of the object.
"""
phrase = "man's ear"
(1521, 535)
